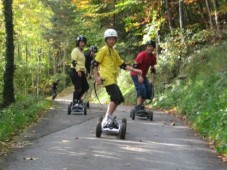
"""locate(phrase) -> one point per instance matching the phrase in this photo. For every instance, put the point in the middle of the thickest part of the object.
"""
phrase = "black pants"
(80, 84)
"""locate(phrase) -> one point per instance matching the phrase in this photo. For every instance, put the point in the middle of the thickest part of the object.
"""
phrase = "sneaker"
(77, 105)
(142, 107)
(107, 122)
(138, 107)
(115, 123)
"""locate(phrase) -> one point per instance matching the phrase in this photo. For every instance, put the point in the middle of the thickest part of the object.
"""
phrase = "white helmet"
(110, 33)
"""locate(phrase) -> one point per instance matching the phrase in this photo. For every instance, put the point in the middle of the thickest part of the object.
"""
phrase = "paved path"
(67, 142)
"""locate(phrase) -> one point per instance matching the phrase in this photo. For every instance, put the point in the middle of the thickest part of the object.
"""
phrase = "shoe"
(74, 102)
(115, 123)
(137, 108)
(77, 105)
(108, 122)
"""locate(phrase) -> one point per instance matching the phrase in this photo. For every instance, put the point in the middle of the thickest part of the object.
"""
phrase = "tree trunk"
(169, 15)
(202, 13)
(8, 76)
(216, 18)
(181, 14)
(209, 14)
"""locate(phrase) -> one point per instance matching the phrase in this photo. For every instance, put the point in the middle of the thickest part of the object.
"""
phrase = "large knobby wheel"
(69, 108)
(150, 114)
(88, 105)
(133, 113)
(124, 120)
(99, 128)
(122, 130)
(85, 110)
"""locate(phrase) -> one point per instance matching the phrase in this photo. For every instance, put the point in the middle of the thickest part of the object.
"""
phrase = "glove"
(74, 63)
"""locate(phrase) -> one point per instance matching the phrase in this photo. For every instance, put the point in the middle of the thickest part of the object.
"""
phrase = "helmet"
(81, 38)
(150, 42)
(110, 33)
(94, 49)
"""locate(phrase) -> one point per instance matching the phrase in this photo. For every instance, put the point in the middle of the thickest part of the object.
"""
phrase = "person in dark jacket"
(89, 58)
(54, 89)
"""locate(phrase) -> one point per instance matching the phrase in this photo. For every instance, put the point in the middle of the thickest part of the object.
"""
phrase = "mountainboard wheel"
(85, 110)
(99, 129)
(122, 130)
(100, 119)
(88, 105)
(69, 108)
(133, 113)
(124, 120)
(150, 115)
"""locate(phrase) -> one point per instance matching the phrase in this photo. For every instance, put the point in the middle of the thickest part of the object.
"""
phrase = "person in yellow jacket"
(105, 69)
(78, 70)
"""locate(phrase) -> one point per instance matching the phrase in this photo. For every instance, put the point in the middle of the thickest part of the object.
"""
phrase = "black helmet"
(81, 38)
(94, 49)
(150, 42)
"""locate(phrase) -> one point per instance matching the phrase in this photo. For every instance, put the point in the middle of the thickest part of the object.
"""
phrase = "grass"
(202, 96)
(20, 115)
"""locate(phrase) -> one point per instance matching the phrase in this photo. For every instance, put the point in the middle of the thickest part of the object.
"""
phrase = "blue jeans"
(142, 89)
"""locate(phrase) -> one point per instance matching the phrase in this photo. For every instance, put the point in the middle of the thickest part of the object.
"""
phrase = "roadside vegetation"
(191, 48)
(19, 116)
(199, 94)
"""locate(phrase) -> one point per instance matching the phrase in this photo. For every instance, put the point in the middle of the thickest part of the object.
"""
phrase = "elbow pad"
(74, 63)
(135, 65)
(123, 66)
(94, 64)
(153, 70)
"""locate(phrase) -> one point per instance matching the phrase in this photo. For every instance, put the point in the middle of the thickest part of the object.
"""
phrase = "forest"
(37, 37)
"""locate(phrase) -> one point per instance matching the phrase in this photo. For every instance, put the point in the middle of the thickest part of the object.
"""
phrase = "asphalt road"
(67, 142)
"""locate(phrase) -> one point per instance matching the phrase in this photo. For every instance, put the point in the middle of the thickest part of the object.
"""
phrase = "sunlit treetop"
(80, 3)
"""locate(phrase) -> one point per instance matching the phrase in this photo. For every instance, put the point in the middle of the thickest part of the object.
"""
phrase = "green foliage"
(20, 114)
(201, 97)
(126, 85)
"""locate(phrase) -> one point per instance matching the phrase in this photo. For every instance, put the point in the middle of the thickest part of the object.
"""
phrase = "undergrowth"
(202, 95)
(21, 114)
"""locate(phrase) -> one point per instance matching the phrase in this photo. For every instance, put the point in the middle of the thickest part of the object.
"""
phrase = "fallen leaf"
(65, 141)
(30, 158)
(173, 124)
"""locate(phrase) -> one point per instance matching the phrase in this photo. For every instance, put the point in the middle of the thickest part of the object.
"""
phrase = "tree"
(209, 14)
(8, 86)
(169, 15)
(216, 18)
(181, 14)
